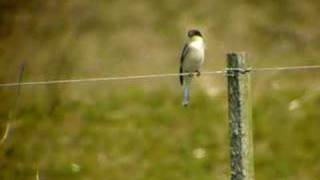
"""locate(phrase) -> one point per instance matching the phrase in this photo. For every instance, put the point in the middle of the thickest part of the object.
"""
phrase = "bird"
(191, 60)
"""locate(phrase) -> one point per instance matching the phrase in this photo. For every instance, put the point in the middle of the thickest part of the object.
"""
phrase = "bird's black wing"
(183, 55)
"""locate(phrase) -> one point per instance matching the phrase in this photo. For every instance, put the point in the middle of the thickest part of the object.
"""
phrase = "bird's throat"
(196, 38)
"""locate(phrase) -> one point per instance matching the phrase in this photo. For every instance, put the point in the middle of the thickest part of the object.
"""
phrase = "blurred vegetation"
(138, 129)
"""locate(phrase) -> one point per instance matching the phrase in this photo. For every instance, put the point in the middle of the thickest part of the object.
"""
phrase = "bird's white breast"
(195, 56)
(199, 45)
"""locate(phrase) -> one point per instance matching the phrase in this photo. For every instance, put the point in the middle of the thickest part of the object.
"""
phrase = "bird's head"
(194, 32)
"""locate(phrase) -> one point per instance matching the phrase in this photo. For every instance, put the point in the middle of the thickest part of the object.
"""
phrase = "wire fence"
(132, 77)
(151, 76)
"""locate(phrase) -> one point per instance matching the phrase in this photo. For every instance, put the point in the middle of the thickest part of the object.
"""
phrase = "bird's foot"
(198, 73)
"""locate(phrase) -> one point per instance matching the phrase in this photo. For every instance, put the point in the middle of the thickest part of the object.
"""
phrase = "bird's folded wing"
(182, 57)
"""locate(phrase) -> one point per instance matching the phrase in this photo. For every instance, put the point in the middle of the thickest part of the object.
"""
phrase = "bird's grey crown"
(194, 32)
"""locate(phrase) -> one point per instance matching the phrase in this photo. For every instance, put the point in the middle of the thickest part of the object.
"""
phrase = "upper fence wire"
(151, 76)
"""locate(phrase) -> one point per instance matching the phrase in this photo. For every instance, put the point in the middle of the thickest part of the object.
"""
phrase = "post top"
(236, 60)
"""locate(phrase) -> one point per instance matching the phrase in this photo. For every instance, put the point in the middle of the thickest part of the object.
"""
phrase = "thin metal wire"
(151, 76)
(288, 68)
(148, 76)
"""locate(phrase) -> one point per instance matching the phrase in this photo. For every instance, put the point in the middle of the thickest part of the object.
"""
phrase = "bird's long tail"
(186, 91)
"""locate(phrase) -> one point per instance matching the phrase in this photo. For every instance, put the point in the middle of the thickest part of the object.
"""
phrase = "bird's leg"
(198, 73)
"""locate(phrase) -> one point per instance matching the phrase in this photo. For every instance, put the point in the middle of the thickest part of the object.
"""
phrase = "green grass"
(138, 129)
(148, 135)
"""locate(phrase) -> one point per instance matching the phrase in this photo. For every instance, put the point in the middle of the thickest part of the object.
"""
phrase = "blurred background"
(138, 129)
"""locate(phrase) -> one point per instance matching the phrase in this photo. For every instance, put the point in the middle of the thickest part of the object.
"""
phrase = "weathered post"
(241, 146)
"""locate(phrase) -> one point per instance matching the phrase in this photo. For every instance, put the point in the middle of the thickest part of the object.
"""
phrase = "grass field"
(141, 134)
(138, 129)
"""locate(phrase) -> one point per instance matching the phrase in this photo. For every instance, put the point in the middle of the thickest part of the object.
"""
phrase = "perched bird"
(191, 59)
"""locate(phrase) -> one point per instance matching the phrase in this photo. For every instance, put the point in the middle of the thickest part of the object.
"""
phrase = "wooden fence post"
(241, 146)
